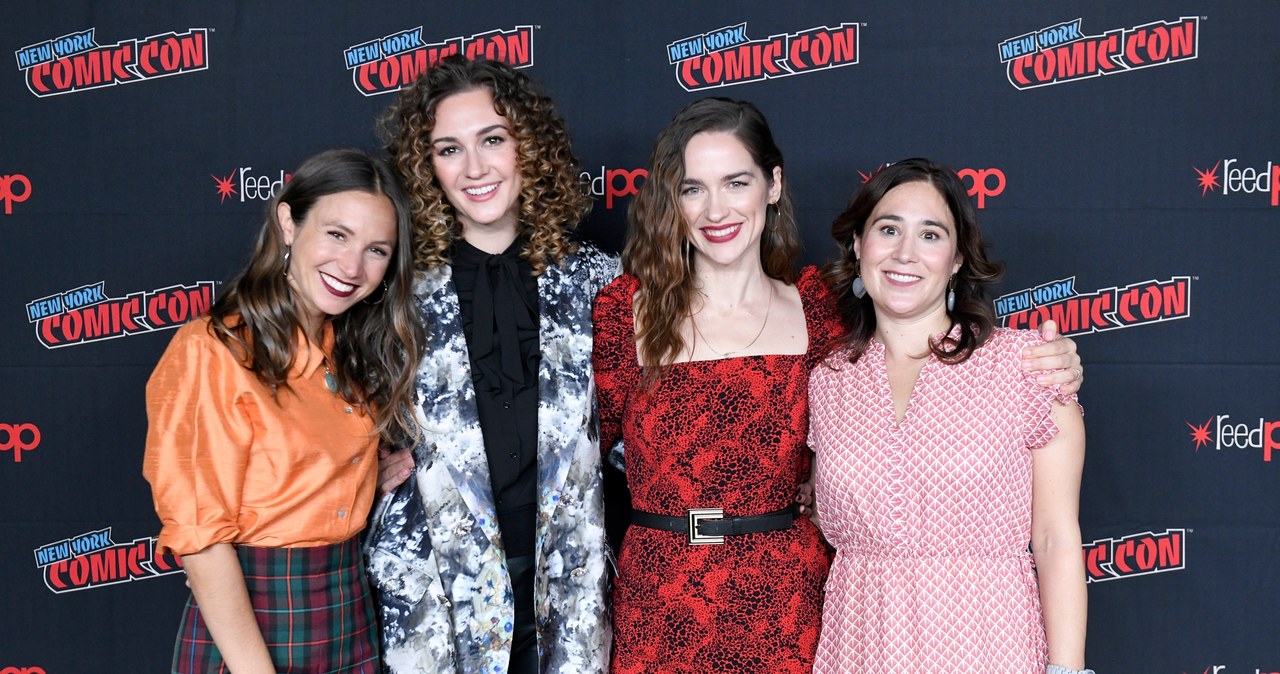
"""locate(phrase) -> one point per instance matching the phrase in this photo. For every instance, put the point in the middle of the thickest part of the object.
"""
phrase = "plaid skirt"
(312, 604)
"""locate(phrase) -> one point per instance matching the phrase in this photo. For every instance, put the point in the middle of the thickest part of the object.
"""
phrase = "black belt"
(709, 526)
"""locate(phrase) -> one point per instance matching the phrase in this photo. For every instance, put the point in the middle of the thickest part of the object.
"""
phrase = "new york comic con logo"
(92, 560)
(726, 56)
(1135, 555)
(1097, 311)
(395, 61)
(76, 62)
(87, 314)
(1063, 53)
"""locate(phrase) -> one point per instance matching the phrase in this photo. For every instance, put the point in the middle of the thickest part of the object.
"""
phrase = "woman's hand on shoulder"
(1056, 360)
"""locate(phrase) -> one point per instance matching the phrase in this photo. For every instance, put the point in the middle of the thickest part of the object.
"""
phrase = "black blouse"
(498, 298)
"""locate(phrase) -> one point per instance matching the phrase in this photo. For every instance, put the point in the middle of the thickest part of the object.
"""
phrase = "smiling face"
(473, 155)
(339, 252)
(724, 197)
(907, 253)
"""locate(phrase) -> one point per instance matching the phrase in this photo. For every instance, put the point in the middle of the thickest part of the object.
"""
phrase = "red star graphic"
(1200, 434)
(1208, 179)
(867, 176)
(225, 187)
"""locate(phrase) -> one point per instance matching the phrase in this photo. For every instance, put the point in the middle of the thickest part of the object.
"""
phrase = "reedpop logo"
(11, 195)
(1221, 434)
(242, 185)
(980, 183)
(1247, 180)
(19, 438)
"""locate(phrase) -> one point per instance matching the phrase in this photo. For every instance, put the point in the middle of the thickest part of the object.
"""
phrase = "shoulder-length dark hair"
(552, 199)
(657, 251)
(376, 345)
(972, 310)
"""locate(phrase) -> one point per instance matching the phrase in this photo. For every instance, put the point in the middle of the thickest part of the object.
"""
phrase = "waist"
(295, 562)
(709, 526)
(897, 552)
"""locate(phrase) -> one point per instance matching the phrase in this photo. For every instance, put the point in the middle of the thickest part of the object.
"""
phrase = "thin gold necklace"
(730, 354)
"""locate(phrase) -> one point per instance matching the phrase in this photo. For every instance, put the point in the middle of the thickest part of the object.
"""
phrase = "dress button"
(515, 455)
(347, 409)
(506, 405)
(356, 460)
(342, 513)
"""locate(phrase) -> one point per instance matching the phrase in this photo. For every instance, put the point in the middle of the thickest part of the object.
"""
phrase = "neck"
(492, 240)
(725, 288)
(909, 338)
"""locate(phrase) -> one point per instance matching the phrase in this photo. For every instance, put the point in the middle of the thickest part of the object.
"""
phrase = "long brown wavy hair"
(972, 311)
(376, 346)
(552, 199)
(657, 252)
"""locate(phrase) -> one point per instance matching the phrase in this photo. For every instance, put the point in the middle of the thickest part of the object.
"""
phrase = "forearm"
(217, 582)
(1063, 597)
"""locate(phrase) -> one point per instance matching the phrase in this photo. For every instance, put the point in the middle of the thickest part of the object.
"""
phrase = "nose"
(716, 207)
(351, 263)
(475, 166)
(905, 251)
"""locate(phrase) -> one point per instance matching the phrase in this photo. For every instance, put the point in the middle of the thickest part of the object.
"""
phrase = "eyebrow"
(898, 218)
(731, 176)
(488, 129)
(348, 230)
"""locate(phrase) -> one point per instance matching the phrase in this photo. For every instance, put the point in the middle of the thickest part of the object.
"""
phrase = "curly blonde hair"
(552, 199)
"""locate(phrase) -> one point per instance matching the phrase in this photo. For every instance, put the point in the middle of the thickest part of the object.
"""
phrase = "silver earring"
(858, 287)
(287, 250)
(951, 294)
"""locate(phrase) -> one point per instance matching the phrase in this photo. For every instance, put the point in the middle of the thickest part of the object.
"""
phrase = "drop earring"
(287, 251)
(858, 287)
(951, 294)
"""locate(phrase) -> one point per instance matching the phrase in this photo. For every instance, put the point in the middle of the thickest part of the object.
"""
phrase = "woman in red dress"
(702, 355)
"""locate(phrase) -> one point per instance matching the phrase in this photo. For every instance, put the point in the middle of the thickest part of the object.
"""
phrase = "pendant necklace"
(731, 354)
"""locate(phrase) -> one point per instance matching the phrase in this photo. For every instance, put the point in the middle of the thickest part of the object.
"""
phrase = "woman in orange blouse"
(265, 418)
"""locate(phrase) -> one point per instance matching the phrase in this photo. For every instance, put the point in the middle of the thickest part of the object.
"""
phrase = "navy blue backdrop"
(1125, 158)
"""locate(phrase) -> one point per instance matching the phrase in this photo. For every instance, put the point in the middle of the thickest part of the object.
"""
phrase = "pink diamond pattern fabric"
(930, 517)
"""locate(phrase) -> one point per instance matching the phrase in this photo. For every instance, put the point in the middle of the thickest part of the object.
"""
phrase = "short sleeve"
(614, 356)
(1037, 420)
(198, 441)
(820, 316)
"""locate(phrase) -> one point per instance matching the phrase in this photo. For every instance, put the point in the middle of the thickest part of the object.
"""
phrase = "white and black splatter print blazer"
(434, 550)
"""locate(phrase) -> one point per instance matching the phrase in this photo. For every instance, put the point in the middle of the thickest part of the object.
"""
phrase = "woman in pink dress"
(939, 459)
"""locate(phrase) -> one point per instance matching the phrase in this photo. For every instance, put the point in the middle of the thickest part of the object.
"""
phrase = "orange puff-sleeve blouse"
(229, 463)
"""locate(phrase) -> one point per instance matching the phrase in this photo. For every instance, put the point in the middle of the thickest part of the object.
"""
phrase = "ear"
(955, 268)
(857, 246)
(775, 186)
(284, 215)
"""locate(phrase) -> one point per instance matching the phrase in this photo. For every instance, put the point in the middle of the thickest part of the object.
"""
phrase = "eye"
(738, 184)
(492, 141)
(338, 234)
(380, 251)
(889, 230)
(690, 190)
(447, 150)
(931, 236)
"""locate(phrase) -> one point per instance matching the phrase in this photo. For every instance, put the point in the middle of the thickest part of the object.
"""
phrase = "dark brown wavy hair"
(552, 199)
(376, 346)
(657, 252)
(972, 308)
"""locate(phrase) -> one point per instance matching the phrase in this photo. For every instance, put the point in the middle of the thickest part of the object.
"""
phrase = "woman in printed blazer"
(494, 187)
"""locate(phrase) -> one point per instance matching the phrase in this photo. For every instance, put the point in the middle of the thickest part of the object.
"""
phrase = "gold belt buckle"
(696, 517)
